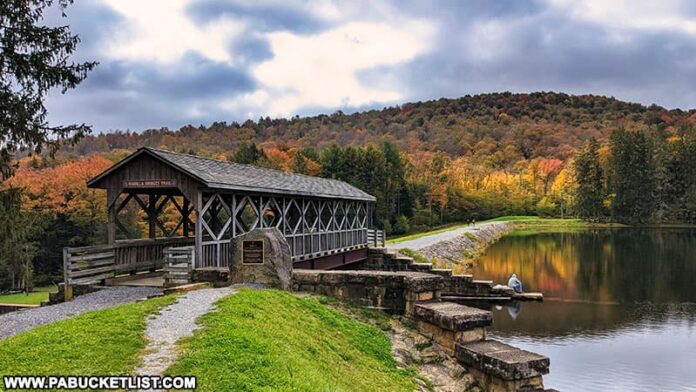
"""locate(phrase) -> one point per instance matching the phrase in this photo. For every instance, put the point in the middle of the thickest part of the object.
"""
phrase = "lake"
(619, 312)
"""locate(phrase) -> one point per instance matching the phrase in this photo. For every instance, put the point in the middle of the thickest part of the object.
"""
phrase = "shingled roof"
(216, 174)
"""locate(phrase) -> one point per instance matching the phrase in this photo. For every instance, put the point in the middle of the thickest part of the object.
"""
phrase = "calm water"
(619, 311)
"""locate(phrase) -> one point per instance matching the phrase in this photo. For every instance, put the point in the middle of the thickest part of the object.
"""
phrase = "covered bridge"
(186, 200)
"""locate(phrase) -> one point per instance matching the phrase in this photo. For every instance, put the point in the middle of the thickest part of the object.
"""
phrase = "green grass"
(415, 236)
(417, 257)
(38, 295)
(454, 226)
(522, 222)
(373, 317)
(271, 340)
(97, 343)
(512, 218)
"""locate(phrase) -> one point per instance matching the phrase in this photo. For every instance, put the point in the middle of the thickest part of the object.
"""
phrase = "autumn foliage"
(62, 189)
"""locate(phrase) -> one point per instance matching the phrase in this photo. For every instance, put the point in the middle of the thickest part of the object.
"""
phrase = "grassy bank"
(522, 223)
(272, 340)
(38, 295)
(97, 343)
(435, 230)
(529, 225)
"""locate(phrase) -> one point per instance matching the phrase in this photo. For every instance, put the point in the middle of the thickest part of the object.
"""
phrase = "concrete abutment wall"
(458, 329)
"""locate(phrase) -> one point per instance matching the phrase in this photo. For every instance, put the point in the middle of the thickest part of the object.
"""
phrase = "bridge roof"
(216, 174)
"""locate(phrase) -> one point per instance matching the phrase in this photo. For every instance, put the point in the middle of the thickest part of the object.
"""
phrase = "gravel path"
(433, 239)
(176, 322)
(24, 320)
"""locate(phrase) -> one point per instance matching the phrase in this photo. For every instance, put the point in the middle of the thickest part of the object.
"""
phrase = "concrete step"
(446, 272)
(528, 296)
(483, 282)
(468, 299)
(502, 360)
(503, 290)
(421, 267)
(452, 316)
(464, 277)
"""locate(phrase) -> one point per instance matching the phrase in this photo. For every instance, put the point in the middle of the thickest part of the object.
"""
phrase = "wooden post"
(152, 214)
(67, 289)
(199, 231)
(186, 217)
(111, 225)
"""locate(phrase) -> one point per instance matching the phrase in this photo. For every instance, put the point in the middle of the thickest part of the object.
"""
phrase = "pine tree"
(590, 193)
(332, 162)
(395, 182)
(16, 248)
(248, 154)
(34, 59)
(633, 175)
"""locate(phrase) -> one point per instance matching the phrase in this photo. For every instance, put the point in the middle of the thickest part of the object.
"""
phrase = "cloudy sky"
(176, 62)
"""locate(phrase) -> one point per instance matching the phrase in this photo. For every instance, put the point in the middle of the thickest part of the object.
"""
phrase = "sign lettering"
(252, 252)
(149, 183)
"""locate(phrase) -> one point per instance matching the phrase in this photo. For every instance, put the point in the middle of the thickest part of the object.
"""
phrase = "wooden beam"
(199, 230)
(111, 225)
(67, 288)
(186, 215)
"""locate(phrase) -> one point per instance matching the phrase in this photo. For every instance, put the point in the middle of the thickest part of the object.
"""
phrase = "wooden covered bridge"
(177, 200)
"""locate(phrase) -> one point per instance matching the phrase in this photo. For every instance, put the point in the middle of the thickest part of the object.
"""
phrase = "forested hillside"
(498, 128)
(429, 163)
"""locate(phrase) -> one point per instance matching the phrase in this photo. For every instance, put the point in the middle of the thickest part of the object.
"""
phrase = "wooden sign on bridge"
(149, 183)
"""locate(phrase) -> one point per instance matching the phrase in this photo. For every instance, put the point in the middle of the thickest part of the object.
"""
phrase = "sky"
(169, 63)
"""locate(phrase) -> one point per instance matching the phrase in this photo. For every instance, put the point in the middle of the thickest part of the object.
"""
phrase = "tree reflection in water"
(616, 302)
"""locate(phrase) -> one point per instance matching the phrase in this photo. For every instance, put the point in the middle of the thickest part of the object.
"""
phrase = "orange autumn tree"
(277, 159)
(63, 189)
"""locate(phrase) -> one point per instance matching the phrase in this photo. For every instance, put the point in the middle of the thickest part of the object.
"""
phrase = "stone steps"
(448, 323)
(460, 331)
(421, 267)
(503, 367)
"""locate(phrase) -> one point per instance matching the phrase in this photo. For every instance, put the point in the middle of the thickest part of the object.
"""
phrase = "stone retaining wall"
(467, 245)
(393, 292)
(458, 329)
(381, 259)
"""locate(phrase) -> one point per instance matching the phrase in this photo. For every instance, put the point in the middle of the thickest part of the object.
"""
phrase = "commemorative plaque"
(252, 252)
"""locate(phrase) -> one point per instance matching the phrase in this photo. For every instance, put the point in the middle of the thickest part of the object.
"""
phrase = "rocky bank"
(466, 246)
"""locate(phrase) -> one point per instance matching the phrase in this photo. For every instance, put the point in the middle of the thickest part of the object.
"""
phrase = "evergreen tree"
(677, 174)
(394, 182)
(16, 248)
(34, 58)
(332, 162)
(632, 180)
(590, 192)
(248, 154)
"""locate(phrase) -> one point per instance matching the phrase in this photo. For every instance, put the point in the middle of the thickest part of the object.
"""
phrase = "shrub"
(401, 226)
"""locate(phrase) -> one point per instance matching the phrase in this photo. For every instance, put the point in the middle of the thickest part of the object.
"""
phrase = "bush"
(546, 207)
(401, 226)
(386, 226)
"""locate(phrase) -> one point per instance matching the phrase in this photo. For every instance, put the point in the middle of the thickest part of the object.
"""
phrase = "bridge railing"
(376, 238)
(94, 264)
(178, 264)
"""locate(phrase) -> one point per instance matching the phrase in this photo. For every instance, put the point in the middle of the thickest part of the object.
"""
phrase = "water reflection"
(621, 265)
(619, 310)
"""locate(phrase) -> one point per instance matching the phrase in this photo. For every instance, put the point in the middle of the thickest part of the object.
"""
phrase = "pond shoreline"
(471, 241)
(467, 246)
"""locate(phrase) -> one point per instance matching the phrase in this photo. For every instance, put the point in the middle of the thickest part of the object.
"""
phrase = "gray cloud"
(264, 17)
(531, 47)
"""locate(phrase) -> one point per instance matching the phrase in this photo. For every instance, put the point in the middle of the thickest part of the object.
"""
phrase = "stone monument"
(261, 256)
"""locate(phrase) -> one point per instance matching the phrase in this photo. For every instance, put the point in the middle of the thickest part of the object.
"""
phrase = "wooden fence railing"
(376, 238)
(145, 254)
(94, 264)
(178, 264)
